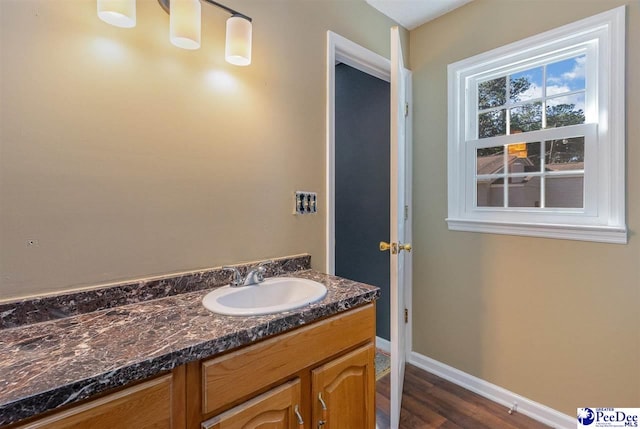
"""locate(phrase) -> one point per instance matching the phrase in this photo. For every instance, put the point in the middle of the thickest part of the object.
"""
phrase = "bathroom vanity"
(169, 363)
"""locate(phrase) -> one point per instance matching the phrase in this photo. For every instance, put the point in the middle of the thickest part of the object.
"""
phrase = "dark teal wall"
(362, 183)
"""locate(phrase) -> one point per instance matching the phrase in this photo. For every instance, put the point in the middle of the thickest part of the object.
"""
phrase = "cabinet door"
(275, 409)
(343, 391)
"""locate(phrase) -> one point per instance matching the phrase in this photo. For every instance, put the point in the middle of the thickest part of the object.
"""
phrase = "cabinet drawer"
(276, 408)
(146, 405)
(236, 375)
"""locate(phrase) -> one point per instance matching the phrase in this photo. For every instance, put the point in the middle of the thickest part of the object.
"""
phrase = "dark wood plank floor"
(429, 401)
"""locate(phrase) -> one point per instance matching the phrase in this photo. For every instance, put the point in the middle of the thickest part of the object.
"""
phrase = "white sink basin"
(271, 296)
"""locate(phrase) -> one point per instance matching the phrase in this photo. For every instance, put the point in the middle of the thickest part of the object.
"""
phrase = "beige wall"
(125, 156)
(556, 321)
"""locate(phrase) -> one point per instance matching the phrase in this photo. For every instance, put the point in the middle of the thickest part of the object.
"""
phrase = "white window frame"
(602, 38)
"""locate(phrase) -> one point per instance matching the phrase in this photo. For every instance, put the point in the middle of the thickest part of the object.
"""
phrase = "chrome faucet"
(253, 277)
(256, 275)
(237, 276)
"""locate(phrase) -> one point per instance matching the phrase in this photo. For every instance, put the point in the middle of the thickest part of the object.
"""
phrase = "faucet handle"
(237, 277)
(261, 266)
(260, 269)
(263, 263)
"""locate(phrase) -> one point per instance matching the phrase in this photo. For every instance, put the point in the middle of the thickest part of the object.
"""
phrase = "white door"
(343, 50)
(399, 247)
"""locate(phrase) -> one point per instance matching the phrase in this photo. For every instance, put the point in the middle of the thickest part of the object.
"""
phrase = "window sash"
(589, 48)
(590, 171)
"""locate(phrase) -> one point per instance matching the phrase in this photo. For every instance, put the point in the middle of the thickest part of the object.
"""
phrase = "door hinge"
(406, 109)
(406, 212)
(406, 315)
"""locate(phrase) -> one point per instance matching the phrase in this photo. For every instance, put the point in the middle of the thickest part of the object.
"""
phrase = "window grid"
(542, 174)
(531, 101)
(509, 104)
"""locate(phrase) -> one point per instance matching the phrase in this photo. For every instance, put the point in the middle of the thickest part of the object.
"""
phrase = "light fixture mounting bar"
(228, 9)
(165, 5)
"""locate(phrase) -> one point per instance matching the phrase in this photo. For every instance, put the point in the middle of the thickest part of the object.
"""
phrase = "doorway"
(362, 138)
(341, 50)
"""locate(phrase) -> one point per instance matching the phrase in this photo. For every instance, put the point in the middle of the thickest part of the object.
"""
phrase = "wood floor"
(429, 401)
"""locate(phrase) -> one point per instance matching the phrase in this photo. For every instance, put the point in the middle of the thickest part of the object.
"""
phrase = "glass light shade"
(121, 13)
(238, 44)
(184, 23)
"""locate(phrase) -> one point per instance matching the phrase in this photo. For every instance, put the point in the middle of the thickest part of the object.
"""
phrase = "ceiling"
(413, 13)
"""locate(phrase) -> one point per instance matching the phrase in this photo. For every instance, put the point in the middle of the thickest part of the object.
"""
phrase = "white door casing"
(340, 49)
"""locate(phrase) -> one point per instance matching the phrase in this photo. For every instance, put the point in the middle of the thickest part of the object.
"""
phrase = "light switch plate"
(305, 203)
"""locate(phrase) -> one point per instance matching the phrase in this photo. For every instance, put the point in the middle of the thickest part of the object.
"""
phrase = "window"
(537, 135)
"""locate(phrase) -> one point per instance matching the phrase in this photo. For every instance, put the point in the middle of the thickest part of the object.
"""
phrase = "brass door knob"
(405, 247)
(384, 246)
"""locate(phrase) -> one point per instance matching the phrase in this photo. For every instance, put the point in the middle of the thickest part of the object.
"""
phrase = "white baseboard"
(497, 394)
(383, 345)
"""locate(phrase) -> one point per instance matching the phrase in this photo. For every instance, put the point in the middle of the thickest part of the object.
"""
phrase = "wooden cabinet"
(332, 359)
(343, 391)
(342, 397)
(157, 404)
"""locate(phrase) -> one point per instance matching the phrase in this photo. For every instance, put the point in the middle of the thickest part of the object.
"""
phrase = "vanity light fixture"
(185, 23)
(238, 45)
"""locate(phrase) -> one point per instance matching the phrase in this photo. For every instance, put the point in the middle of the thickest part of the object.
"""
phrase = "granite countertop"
(50, 364)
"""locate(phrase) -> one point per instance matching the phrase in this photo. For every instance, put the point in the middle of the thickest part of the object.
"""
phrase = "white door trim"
(345, 51)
